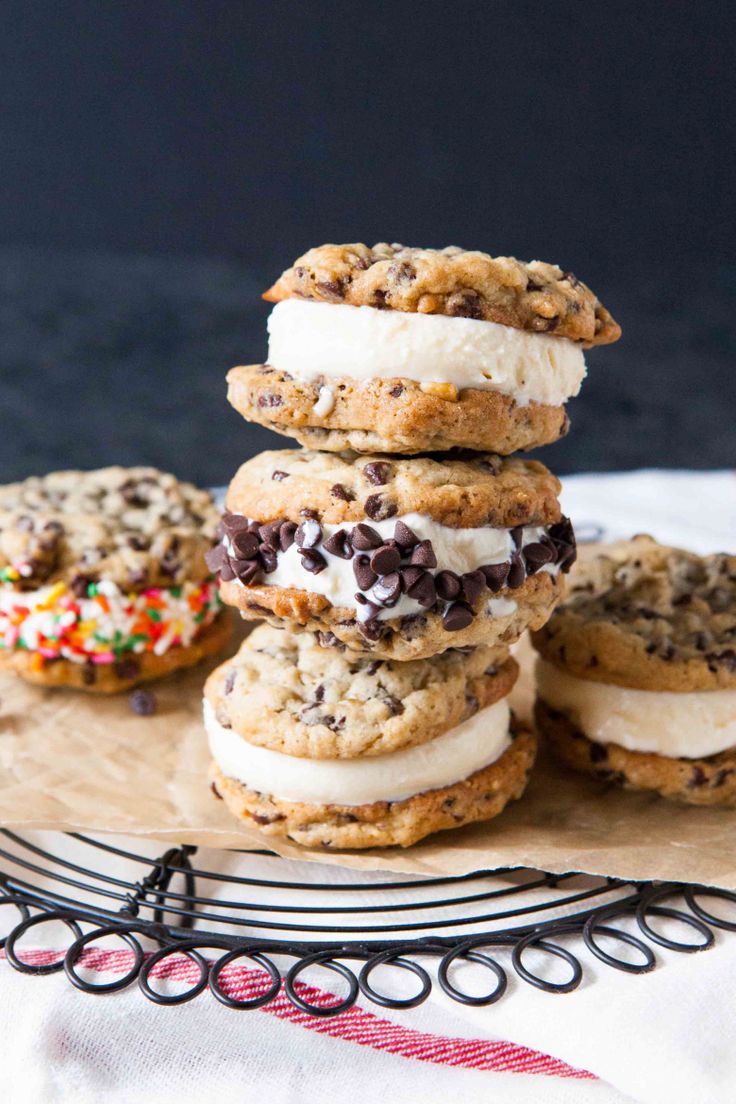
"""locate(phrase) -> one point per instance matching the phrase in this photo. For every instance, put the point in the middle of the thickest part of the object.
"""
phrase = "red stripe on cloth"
(356, 1025)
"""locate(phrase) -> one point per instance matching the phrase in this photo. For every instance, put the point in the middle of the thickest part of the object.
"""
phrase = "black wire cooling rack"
(279, 922)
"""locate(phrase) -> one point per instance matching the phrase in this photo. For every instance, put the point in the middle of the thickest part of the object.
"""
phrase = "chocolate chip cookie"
(534, 296)
(636, 682)
(402, 558)
(103, 581)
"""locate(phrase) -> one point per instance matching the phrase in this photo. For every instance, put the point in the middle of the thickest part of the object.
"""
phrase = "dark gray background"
(161, 162)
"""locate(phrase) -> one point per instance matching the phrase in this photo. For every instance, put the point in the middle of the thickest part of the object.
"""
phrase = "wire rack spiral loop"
(256, 930)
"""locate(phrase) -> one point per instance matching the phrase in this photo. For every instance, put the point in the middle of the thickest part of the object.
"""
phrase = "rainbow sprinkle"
(106, 623)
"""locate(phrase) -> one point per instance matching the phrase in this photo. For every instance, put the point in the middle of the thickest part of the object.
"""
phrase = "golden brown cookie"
(535, 296)
(285, 692)
(709, 781)
(482, 796)
(647, 617)
(391, 415)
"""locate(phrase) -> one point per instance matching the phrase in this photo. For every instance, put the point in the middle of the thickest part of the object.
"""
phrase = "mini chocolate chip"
(448, 585)
(396, 391)
(409, 576)
(571, 279)
(143, 703)
(269, 534)
(329, 640)
(411, 624)
(517, 534)
(598, 753)
(342, 492)
(364, 574)
(319, 693)
(536, 555)
(269, 399)
(373, 666)
(313, 561)
(127, 668)
(721, 777)
(245, 544)
(379, 508)
(516, 574)
(395, 707)
(233, 523)
(287, 530)
(215, 791)
(474, 583)
(697, 778)
(387, 590)
(229, 681)
(404, 536)
(458, 616)
(385, 560)
(423, 555)
(371, 630)
(307, 512)
(269, 559)
(339, 545)
(226, 573)
(465, 304)
(246, 571)
(308, 534)
(378, 472)
(331, 289)
(423, 590)
(279, 475)
(214, 559)
(363, 538)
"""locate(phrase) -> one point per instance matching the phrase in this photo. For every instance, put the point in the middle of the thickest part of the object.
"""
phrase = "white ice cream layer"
(690, 725)
(312, 340)
(458, 550)
(447, 759)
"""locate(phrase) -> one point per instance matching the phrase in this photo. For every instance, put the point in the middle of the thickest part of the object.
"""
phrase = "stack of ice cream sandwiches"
(400, 553)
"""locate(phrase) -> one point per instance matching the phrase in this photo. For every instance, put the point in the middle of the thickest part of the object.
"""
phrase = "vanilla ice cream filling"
(457, 550)
(450, 758)
(326, 341)
(689, 725)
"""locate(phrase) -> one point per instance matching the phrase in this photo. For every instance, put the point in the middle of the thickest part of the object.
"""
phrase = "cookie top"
(483, 489)
(135, 527)
(648, 617)
(531, 296)
(285, 692)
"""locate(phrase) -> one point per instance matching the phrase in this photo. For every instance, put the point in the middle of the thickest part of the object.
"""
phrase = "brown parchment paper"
(76, 762)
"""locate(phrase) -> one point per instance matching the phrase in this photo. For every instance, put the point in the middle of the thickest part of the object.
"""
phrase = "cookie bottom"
(417, 636)
(391, 415)
(112, 678)
(710, 781)
(482, 796)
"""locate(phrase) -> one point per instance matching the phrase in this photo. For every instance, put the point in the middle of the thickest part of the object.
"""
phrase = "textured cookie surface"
(135, 527)
(391, 415)
(129, 671)
(285, 692)
(384, 824)
(710, 781)
(531, 296)
(482, 489)
(648, 617)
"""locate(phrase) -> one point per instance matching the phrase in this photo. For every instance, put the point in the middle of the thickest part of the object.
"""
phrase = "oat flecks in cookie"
(534, 296)
(286, 692)
(135, 527)
(648, 617)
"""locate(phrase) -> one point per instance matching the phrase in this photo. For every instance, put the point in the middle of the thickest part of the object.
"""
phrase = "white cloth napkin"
(667, 1037)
